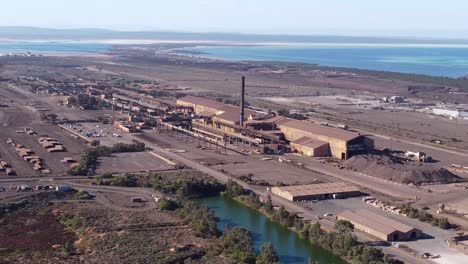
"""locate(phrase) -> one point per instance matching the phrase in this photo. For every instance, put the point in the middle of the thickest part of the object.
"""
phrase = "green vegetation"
(124, 181)
(237, 244)
(11, 207)
(85, 101)
(286, 113)
(342, 243)
(83, 195)
(67, 249)
(51, 118)
(95, 143)
(233, 189)
(188, 187)
(201, 219)
(267, 255)
(426, 217)
(88, 161)
(71, 221)
(343, 226)
(168, 205)
(136, 146)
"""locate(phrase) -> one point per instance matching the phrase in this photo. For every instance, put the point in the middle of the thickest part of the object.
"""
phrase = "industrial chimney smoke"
(242, 103)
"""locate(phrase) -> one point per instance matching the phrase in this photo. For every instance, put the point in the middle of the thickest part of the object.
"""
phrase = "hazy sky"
(433, 18)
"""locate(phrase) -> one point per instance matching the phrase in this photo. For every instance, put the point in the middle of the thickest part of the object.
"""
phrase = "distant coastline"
(34, 33)
(206, 43)
(426, 59)
(438, 60)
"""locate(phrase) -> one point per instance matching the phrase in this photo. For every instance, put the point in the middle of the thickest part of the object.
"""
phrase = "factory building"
(379, 226)
(317, 191)
(222, 116)
(257, 128)
(317, 140)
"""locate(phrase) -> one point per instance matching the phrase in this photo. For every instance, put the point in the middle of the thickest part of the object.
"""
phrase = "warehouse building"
(317, 140)
(318, 191)
(379, 226)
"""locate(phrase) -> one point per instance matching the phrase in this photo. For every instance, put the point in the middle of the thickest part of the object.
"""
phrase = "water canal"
(290, 247)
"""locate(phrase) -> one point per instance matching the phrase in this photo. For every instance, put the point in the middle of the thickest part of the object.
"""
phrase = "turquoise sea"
(53, 47)
(448, 61)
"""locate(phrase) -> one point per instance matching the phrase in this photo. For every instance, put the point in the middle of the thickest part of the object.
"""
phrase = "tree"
(67, 249)
(267, 255)
(95, 143)
(344, 226)
(166, 204)
(233, 189)
(366, 255)
(315, 232)
(269, 205)
(202, 219)
(237, 243)
(255, 200)
(124, 181)
(443, 223)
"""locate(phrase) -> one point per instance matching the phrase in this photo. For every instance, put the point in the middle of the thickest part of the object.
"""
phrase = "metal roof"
(326, 131)
(309, 142)
(202, 102)
(318, 189)
(370, 224)
(229, 113)
(386, 221)
(376, 222)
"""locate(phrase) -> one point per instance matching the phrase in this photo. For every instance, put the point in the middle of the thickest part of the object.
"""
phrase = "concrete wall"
(321, 151)
(277, 191)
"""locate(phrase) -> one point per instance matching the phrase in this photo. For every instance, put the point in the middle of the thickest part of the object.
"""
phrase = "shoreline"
(228, 43)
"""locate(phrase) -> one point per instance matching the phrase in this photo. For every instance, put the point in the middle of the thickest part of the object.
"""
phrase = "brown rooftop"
(309, 142)
(319, 189)
(326, 131)
(386, 221)
(376, 226)
(202, 101)
(229, 113)
(376, 222)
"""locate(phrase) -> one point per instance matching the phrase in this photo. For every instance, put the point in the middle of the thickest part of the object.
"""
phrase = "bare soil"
(399, 170)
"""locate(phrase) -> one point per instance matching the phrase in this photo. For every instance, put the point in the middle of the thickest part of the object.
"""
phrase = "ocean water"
(448, 61)
(53, 47)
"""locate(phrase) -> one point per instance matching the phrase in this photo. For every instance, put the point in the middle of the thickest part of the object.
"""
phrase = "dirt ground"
(400, 170)
(35, 229)
(132, 162)
(93, 233)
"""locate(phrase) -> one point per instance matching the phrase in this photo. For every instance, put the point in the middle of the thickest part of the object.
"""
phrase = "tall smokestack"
(242, 103)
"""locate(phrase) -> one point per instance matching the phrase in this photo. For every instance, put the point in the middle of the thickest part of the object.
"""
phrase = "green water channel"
(290, 247)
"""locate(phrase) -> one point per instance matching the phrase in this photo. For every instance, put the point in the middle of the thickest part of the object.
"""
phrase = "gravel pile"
(399, 169)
